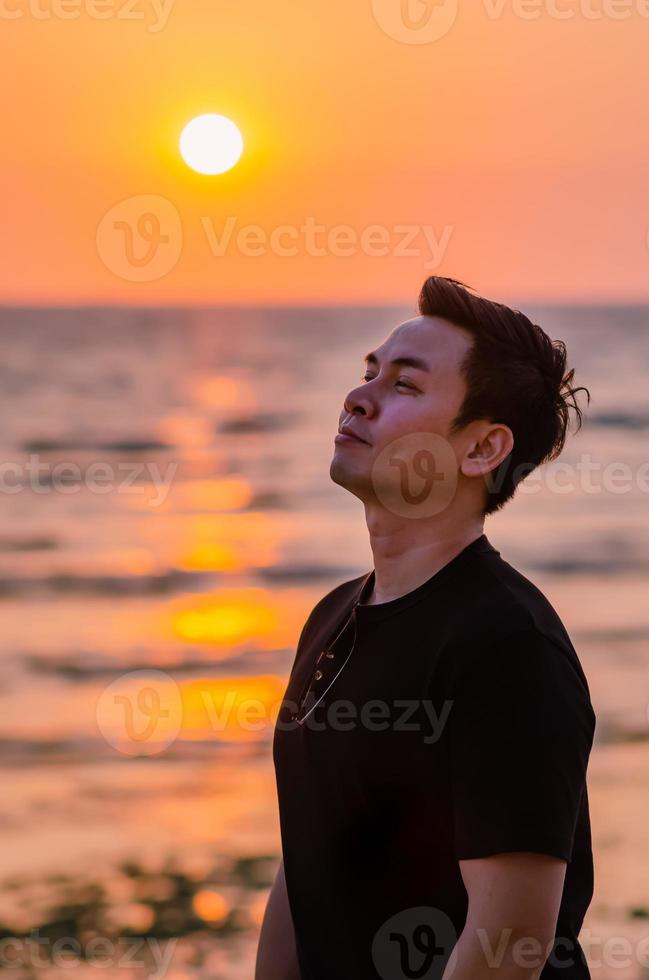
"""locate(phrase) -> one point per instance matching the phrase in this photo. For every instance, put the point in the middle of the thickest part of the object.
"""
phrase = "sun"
(211, 144)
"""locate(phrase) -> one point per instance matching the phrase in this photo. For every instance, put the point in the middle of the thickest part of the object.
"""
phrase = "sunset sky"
(511, 152)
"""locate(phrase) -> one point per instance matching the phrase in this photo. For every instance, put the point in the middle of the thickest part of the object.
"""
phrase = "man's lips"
(347, 435)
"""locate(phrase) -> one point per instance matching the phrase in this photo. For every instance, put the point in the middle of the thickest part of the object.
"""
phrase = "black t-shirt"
(456, 723)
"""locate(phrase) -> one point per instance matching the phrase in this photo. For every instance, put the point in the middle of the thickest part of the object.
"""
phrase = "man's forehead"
(430, 337)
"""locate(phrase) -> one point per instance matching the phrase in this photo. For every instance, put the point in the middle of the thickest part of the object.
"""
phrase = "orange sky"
(514, 148)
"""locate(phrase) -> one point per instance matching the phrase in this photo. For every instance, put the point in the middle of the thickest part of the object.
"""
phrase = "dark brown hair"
(514, 373)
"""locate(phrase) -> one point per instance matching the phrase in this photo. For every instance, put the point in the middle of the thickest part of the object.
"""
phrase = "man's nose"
(358, 401)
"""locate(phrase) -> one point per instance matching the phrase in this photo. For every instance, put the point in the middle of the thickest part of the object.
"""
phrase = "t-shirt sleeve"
(521, 728)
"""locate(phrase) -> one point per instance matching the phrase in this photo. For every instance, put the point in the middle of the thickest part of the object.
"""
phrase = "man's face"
(411, 385)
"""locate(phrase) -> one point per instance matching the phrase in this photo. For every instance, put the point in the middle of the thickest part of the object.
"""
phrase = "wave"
(165, 582)
(95, 445)
(258, 423)
(619, 420)
(22, 544)
(625, 635)
(89, 666)
(51, 751)
(305, 572)
(161, 583)
(590, 566)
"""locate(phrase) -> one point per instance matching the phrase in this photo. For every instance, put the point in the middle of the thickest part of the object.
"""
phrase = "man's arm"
(514, 901)
(276, 952)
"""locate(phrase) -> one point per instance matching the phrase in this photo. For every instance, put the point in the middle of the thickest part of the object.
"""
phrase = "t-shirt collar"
(375, 612)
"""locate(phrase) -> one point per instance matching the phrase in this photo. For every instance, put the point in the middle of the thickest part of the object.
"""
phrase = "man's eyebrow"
(413, 362)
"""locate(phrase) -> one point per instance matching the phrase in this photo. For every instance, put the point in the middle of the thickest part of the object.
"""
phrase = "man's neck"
(401, 564)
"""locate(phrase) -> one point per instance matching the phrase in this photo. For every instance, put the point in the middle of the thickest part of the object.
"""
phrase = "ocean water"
(168, 522)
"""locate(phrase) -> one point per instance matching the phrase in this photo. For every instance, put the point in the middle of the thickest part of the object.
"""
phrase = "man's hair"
(514, 373)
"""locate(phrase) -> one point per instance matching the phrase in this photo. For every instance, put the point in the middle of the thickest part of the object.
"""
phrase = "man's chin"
(345, 475)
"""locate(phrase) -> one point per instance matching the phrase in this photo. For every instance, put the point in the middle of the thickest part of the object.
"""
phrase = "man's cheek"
(415, 475)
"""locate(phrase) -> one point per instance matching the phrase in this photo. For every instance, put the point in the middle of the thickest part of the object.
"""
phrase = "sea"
(167, 522)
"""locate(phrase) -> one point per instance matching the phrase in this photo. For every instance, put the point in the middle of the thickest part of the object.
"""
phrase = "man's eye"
(404, 384)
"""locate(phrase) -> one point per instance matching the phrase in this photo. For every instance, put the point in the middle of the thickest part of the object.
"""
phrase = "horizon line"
(567, 302)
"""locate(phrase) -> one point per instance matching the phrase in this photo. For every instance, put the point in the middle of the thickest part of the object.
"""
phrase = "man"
(432, 746)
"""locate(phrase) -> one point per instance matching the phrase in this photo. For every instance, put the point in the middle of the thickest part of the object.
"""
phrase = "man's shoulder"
(504, 601)
(334, 602)
(507, 618)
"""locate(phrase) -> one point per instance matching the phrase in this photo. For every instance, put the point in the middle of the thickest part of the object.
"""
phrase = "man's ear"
(492, 444)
